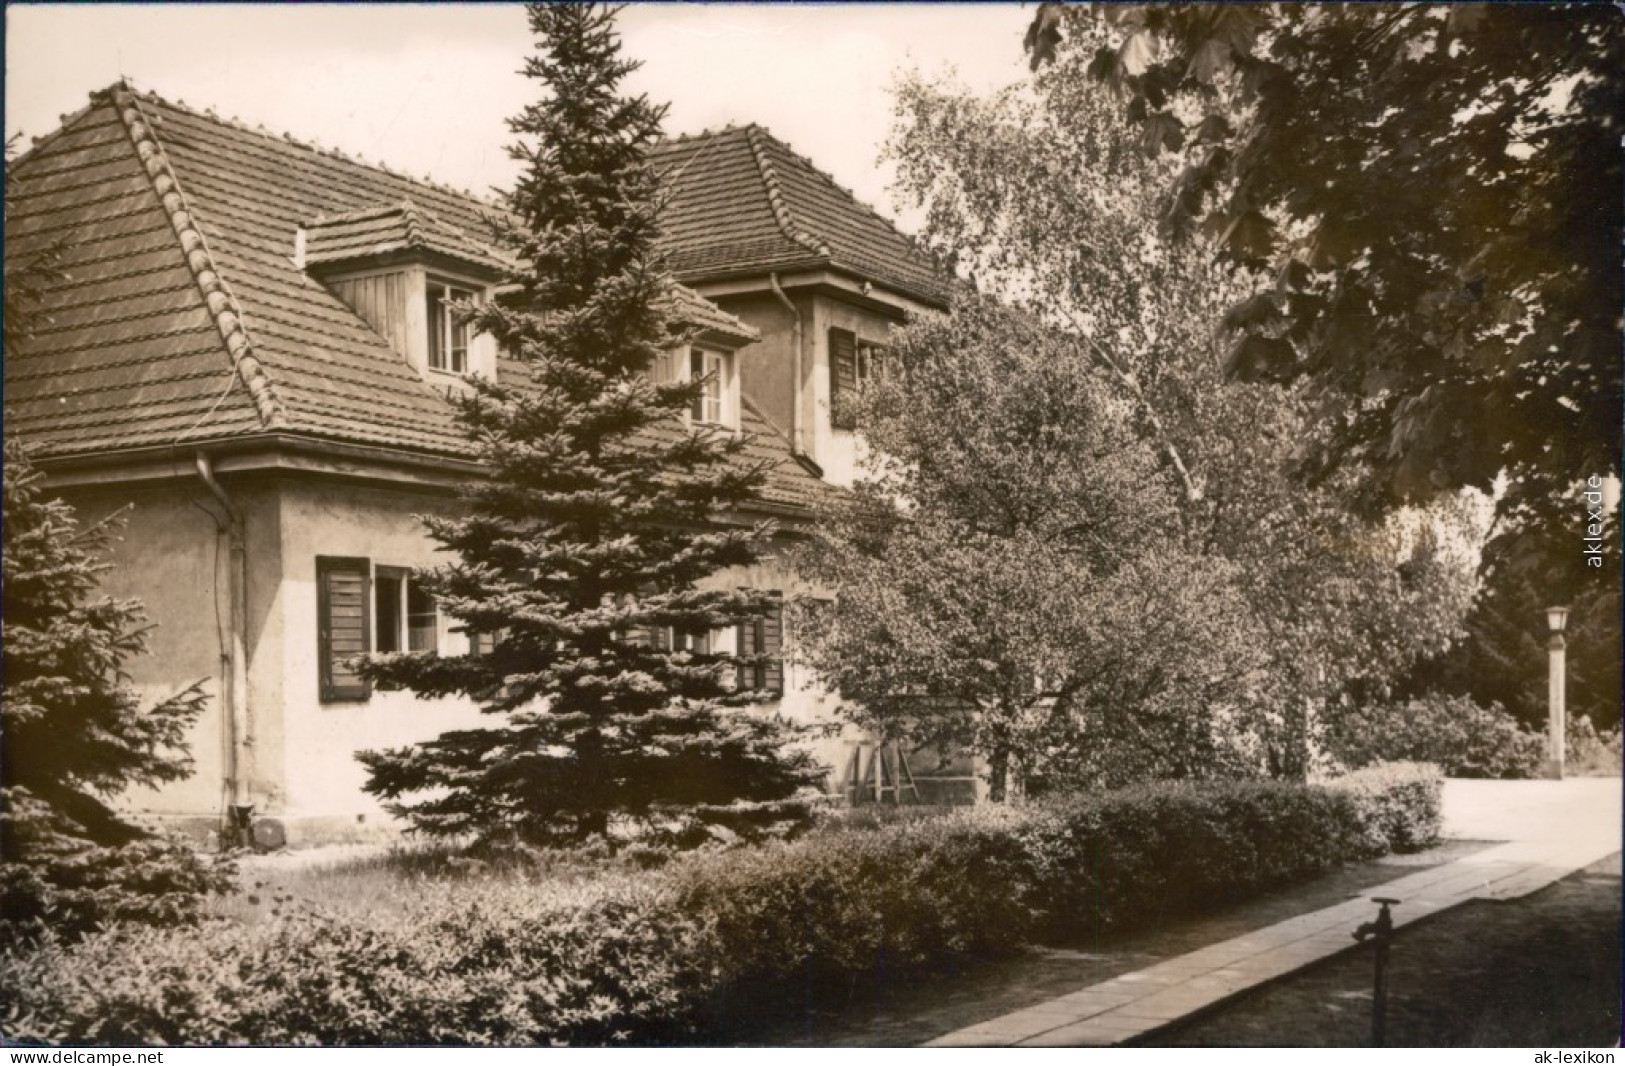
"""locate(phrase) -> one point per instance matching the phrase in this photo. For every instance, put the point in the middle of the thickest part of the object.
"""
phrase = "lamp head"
(1557, 618)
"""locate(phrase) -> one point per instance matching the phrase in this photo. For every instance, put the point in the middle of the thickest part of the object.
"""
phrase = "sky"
(426, 88)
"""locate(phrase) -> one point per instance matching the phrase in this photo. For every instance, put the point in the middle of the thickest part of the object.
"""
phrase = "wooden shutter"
(748, 640)
(342, 626)
(843, 377)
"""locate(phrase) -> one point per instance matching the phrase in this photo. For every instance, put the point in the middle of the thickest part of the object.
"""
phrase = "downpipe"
(796, 344)
(234, 661)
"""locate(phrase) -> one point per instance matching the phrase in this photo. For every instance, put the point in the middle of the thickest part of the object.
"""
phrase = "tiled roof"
(185, 317)
(742, 202)
(399, 227)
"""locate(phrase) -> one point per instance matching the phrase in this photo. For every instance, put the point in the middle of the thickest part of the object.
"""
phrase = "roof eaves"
(217, 296)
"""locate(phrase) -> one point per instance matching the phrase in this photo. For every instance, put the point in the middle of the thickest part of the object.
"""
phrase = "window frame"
(768, 674)
(722, 380)
(402, 612)
(854, 364)
(444, 292)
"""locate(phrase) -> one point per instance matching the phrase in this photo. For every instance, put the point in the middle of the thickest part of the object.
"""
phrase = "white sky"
(427, 87)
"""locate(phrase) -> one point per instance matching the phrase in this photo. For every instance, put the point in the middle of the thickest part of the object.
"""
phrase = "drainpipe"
(796, 344)
(234, 658)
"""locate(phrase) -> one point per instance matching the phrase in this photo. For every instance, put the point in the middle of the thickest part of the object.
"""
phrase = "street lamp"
(1556, 619)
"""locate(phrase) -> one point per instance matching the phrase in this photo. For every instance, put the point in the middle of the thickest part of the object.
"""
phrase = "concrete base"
(1552, 769)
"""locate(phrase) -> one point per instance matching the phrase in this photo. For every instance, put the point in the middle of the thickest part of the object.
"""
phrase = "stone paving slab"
(1134, 1004)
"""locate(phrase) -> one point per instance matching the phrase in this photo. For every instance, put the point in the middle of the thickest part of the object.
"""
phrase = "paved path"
(1551, 829)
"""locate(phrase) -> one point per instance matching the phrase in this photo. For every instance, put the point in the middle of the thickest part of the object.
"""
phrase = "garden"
(1204, 638)
(432, 947)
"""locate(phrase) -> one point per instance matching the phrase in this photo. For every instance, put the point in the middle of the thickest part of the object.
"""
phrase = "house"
(252, 355)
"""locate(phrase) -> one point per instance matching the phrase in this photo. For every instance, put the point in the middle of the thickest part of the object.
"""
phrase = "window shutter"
(343, 631)
(696, 371)
(745, 647)
(772, 645)
(843, 376)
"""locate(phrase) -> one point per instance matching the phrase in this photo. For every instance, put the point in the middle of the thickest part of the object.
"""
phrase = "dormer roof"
(743, 203)
(397, 230)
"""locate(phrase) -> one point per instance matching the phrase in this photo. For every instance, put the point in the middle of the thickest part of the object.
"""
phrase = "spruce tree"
(601, 512)
(75, 733)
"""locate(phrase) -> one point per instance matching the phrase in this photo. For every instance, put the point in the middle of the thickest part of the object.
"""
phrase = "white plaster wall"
(321, 775)
(840, 452)
(167, 555)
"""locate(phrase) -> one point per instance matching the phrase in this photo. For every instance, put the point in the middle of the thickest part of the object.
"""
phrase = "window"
(710, 405)
(669, 638)
(448, 336)
(407, 620)
(764, 638)
(342, 632)
(853, 364)
(363, 609)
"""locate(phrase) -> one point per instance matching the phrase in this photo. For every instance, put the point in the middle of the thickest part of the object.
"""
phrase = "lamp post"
(1556, 619)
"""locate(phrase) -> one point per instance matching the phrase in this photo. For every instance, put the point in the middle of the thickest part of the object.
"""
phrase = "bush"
(1462, 738)
(470, 965)
(1399, 805)
(675, 955)
(831, 909)
(1108, 862)
(1591, 753)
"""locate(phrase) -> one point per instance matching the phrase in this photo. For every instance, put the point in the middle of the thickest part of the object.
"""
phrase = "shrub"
(828, 910)
(676, 955)
(1399, 805)
(474, 965)
(1106, 862)
(1592, 753)
(1461, 737)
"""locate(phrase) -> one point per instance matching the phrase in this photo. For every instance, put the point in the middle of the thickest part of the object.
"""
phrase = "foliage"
(603, 964)
(599, 517)
(1461, 737)
(1109, 861)
(26, 276)
(686, 954)
(1591, 753)
(1431, 192)
(75, 732)
(1005, 576)
(1327, 600)
(1504, 656)
(1399, 805)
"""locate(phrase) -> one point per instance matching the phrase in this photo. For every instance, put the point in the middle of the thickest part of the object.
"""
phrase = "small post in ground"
(1382, 931)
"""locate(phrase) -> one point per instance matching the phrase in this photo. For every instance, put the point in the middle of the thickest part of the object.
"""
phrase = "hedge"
(1462, 737)
(674, 955)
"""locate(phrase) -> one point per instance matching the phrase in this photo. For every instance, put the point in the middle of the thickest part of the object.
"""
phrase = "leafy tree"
(601, 513)
(26, 277)
(1008, 573)
(1431, 194)
(75, 734)
(1336, 601)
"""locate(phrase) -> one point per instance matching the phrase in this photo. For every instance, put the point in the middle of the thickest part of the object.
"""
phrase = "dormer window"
(712, 367)
(448, 335)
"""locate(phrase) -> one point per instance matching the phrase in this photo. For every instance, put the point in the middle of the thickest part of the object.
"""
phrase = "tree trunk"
(998, 774)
